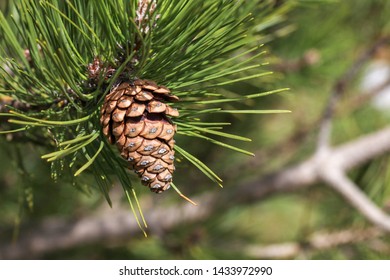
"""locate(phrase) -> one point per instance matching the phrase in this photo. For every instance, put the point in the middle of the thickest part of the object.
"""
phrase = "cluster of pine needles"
(192, 47)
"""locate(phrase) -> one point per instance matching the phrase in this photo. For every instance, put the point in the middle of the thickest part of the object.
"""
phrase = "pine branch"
(63, 58)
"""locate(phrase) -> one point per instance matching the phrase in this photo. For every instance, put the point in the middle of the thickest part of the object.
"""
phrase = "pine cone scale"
(124, 102)
(135, 110)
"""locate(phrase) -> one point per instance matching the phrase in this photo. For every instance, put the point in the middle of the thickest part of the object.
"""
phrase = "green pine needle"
(210, 131)
(254, 111)
(90, 161)
(200, 165)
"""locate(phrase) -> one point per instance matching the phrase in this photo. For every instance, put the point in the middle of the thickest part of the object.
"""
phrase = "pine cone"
(134, 116)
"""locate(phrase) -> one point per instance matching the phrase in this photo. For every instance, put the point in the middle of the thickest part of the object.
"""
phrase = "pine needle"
(89, 162)
(182, 195)
(200, 165)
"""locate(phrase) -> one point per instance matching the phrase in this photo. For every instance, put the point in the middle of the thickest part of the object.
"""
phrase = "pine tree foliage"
(59, 59)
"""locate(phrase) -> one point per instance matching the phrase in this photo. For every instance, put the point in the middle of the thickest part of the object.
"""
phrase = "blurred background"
(310, 51)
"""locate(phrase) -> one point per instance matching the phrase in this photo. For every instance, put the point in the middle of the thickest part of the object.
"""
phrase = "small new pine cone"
(135, 117)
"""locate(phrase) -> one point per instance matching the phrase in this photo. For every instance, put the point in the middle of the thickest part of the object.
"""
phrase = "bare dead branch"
(333, 171)
(352, 193)
(363, 149)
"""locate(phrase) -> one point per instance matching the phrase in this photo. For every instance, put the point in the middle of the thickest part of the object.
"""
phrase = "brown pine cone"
(134, 116)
